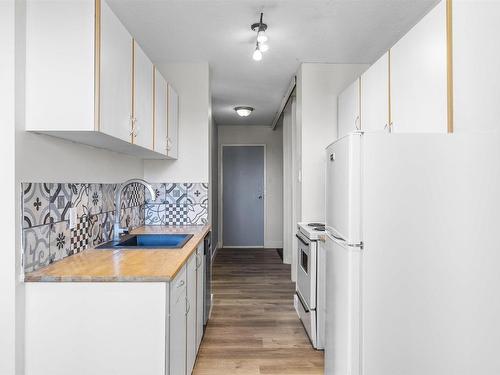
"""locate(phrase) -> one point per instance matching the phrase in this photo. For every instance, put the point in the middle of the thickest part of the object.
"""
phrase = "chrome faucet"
(117, 229)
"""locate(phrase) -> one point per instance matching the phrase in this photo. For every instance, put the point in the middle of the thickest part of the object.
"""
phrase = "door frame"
(221, 192)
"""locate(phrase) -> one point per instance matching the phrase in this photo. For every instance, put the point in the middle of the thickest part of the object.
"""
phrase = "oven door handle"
(301, 301)
(302, 240)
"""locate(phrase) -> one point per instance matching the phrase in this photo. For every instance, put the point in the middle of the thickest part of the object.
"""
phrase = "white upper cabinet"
(86, 80)
(375, 96)
(115, 77)
(349, 118)
(60, 65)
(143, 99)
(419, 76)
(160, 114)
(476, 60)
(173, 123)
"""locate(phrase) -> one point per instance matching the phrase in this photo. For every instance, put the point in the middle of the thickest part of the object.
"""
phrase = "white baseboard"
(274, 245)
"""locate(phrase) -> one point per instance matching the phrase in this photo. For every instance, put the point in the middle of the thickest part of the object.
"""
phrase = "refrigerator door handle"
(341, 241)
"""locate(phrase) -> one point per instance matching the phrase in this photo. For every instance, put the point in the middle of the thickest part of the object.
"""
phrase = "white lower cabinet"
(83, 328)
(178, 312)
(186, 300)
(191, 348)
(125, 328)
(200, 294)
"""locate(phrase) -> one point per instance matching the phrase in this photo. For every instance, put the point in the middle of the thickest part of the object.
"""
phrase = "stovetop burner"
(315, 225)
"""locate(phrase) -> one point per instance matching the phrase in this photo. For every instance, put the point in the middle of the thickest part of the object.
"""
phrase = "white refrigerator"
(412, 260)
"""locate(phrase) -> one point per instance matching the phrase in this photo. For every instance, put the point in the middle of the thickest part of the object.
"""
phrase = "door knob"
(259, 197)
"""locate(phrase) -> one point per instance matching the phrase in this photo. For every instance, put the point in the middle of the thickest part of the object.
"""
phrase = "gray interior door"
(243, 196)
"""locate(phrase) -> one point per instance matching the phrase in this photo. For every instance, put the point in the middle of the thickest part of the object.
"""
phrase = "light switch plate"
(72, 218)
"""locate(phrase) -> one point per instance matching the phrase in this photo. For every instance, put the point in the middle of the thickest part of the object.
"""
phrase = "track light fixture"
(260, 45)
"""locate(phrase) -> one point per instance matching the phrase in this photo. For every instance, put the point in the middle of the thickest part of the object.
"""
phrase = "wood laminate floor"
(254, 328)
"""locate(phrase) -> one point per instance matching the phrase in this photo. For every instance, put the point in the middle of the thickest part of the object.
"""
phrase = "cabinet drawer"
(178, 285)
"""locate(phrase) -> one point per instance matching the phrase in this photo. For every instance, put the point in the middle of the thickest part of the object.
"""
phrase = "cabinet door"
(160, 113)
(116, 80)
(143, 99)
(191, 314)
(173, 123)
(200, 294)
(476, 59)
(375, 95)
(418, 76)
(348, 110)
(178, 309)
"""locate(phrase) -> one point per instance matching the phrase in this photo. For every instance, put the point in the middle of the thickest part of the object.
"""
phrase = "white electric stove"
(310, 285)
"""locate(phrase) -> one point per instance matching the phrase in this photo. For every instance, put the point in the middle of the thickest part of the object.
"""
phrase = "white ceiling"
(218, 31)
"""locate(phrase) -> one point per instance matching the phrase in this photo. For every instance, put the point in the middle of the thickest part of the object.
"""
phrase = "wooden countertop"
(124, 265)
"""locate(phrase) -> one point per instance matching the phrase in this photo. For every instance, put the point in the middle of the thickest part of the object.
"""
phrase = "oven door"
(306, 271)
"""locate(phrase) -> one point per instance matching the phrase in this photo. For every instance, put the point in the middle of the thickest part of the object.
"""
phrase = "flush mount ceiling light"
(260, 45)
(243, 111)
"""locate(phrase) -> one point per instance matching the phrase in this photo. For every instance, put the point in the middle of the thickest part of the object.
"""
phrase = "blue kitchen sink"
(149, 241)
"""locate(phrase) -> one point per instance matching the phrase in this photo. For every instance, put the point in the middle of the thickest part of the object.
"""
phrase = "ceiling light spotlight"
(243, 111)
(261, 37)
(260, 28)
(257, 54)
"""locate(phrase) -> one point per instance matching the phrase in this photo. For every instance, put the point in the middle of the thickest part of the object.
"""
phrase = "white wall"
(273, 233)
(318, 86)
(214, 184)
(192, 83)
(7, 219)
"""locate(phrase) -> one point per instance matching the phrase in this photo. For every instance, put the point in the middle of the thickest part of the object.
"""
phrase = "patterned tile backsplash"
(178, 204)
(47, 236)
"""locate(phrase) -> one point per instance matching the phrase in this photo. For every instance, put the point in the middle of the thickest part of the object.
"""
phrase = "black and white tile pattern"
(36, 199)
(108, 197)
(175, 214)
(80, 235)
(197, 193)
(175, 194)
(61, 196)
(180, 204)
(95, 199)
(160, 194)
(36, 247)
(80, 199)
(59, 241)
(155, 214)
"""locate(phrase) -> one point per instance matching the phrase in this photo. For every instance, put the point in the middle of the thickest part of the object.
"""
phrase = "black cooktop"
(315, 225)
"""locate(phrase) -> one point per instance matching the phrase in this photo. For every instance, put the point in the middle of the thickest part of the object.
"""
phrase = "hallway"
(254, 328)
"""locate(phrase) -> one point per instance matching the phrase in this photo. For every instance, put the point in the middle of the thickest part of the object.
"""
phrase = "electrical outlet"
(72, 218)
